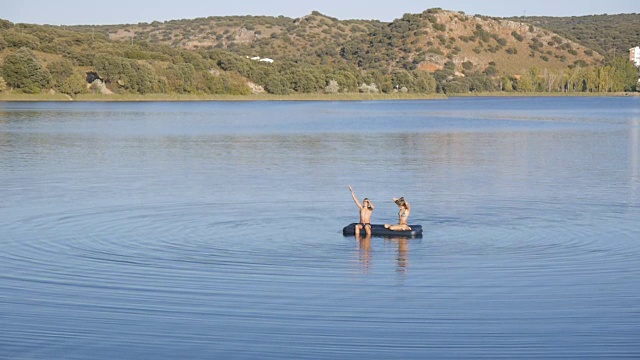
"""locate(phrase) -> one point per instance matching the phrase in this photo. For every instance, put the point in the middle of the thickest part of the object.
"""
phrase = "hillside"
(607, 34)
(434, 51)
(426, 41)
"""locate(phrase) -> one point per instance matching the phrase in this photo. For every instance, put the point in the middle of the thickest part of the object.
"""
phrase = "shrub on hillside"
(22, 71)
(18, 40)
(517, 36)
(73, 85)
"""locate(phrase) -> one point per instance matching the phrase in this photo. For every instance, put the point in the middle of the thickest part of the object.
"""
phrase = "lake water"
(213, 230)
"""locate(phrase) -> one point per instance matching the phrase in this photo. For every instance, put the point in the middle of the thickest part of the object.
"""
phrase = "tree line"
(616, 75)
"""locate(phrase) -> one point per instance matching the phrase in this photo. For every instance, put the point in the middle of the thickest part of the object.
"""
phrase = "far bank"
(5, 97)
(191, 97)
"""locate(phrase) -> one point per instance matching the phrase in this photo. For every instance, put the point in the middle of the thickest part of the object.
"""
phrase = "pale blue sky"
(71, 12)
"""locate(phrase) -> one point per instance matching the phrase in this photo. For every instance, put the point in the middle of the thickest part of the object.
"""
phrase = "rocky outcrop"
(99, 86)
(255, 88)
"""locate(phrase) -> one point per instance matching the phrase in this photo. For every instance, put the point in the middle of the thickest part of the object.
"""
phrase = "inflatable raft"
(380, 230)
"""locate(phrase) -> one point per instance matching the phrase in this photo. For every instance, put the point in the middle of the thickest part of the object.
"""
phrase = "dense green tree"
(181, 78)
(143, 80)
(17, 39)
(402, 78)
(23, 72)
(306, 80)
(60, 71)
(81, 58)
(473, 82)
(479, 82)
(355, 52)
(112, 69)
(506, 84)
(625, 76)
(525, 84)
(442, 77)
(277, 85)
(458, 86)
(73, 85)
(347, 80)
(383, 82)
(195, 59)
(214, 83)
(424, 82)
(3, 84)
(234, 84)
(597, 79)
(128, 75)
(231, 62)
(531, 80)
(491, 70)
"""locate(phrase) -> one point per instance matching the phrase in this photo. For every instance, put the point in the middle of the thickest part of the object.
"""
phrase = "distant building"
(634, 55)
(267, 60)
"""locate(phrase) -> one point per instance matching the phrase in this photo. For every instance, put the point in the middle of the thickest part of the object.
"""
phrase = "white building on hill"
(634, 55)
(257, 58)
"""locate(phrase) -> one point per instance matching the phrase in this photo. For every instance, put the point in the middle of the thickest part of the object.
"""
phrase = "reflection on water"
(213, 230)
(403, 252)
(364, 251)
(635, 158)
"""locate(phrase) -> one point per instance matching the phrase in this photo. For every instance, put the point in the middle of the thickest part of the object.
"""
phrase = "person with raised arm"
(366, 208)
(403, 216)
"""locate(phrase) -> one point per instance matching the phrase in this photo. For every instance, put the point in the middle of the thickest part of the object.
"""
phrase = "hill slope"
(607, 34)
(426, 41)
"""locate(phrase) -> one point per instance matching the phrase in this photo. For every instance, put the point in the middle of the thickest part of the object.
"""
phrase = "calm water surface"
(213, 230)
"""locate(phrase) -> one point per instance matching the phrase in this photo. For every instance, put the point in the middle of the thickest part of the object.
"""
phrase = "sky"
(101, 12)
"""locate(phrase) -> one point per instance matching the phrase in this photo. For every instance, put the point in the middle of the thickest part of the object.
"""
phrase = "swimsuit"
(364, 224)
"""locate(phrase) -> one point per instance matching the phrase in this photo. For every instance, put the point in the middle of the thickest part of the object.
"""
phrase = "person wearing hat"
(403, 216)
(366, 208)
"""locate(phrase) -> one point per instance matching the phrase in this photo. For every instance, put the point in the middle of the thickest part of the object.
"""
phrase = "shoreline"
(546, 94)
(192, 98)
(14, 97)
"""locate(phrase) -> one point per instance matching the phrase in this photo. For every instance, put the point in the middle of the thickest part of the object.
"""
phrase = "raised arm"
(402, 200)
(355, 199)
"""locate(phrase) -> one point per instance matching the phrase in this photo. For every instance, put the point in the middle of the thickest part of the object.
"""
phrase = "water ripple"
(128, 234)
